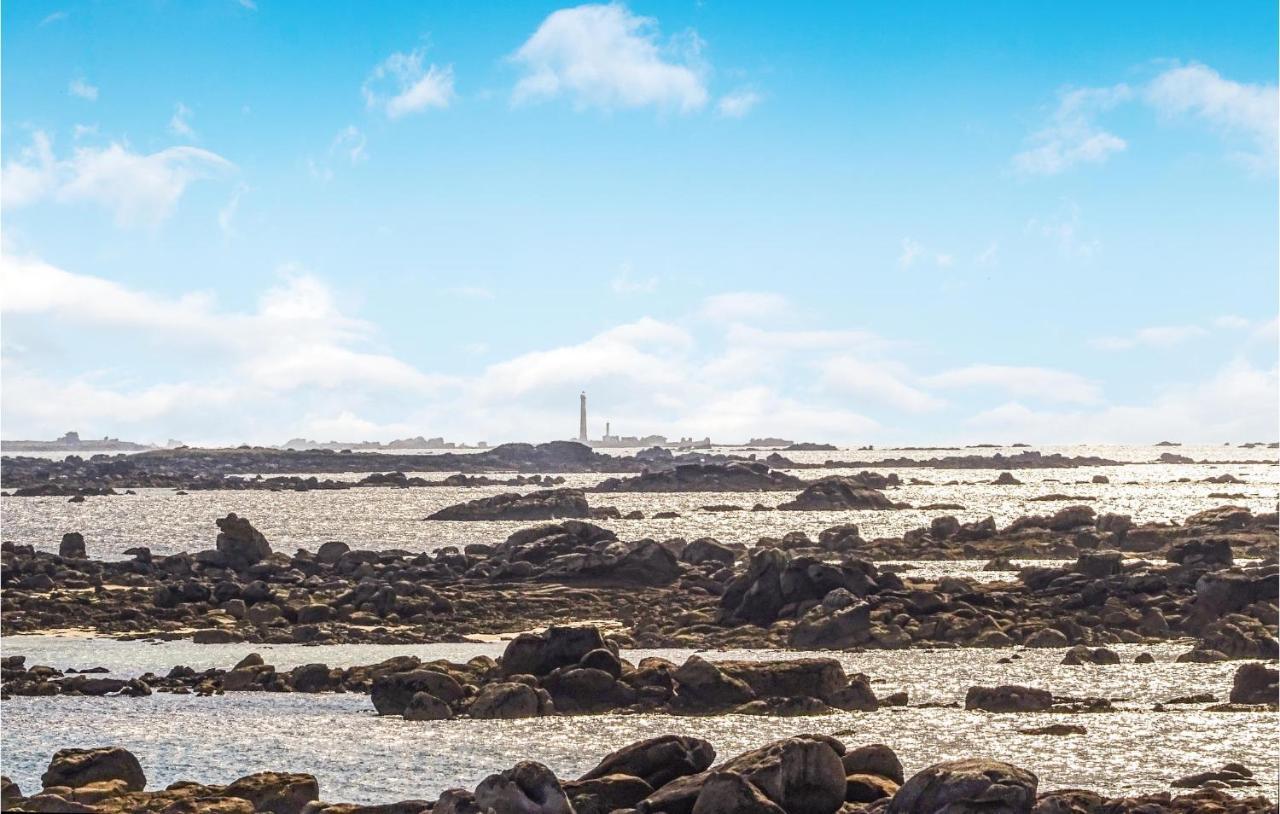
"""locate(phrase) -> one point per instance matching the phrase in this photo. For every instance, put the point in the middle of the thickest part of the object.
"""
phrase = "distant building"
(582, 417)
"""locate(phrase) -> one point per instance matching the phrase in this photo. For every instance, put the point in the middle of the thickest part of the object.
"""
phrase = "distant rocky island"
(417, 442)
(72, 442)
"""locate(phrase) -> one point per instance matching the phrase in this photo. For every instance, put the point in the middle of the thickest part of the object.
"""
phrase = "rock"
(657, 761)
(1006, 479)
(276, 792)
(837, 630)
(734, 476)
(1008, 698)
(800, 774)
(1057, 730)
(506, 700)
(548, 504)
(837, 494)
(964, 786)
(605, 794)
(240, 542)
(1080, 654)
(1071, 518)
(1255, 684)
(813, 677)
(9, 792)
(424, 706)
(1099, 564)
(730, 793)
(538, 654)
(875, 759)
(310, 678)
(603, 659)
(1210, 553)
(392, 693)
(72, 546)
(80, 767)
(332, 551)
(702, 686)
(867, 788)
(705, 550)
(528, 788)
(1046, 637)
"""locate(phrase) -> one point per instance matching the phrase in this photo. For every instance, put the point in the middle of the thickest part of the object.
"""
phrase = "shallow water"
(383, 518)
(361, 757)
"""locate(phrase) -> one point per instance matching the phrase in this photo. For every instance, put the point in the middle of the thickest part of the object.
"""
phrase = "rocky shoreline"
(792, 592)
(670, 774)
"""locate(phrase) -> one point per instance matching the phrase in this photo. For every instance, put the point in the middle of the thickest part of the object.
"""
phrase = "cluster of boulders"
(845, 493)
(669, 774)
(736, 476)
(547, 505)
(575, 670)
(1029, 459)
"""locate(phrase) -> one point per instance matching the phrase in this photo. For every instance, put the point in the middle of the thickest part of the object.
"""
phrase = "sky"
(231, 221)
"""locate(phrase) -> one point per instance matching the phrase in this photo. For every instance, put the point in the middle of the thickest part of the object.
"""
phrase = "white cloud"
(737, 104)
(227, 214)
(880, 382)
(55, 17)
(740, 306)
(180, 121)
(1233, 108)
(989, 256)
(399, 85)
(1231, 321)
(1072, 137)
(82, 89)
(350, 142)
(1159, 336)
(1237, 403)
(1046, 384)
(604, 56)
(626, 282)
(138, 189)
(249, 4)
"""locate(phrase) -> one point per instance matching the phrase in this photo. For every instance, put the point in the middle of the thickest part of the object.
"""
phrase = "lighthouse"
(582, 417)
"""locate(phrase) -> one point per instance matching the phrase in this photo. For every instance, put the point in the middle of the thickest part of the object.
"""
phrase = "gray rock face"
(528, 788)
(72, 545)
(545, 505)
(538, 654)
(838, 494)
(735, 476)
(1008, 698)
(874, 758)
(839, 629)
(973, 786)
(729, 793)
(657, 761)
(240, 542)
(703, 687)
(391, 694)
(1255, 684)
(800, 774)
(80, 767)
(507, 700)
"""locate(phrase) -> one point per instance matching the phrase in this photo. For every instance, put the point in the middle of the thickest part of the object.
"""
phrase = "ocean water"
(360, 757)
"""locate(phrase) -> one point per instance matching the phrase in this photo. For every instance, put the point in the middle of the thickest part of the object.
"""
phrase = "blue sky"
(860, 222)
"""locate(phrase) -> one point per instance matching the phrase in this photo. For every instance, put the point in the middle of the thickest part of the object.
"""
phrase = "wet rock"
(730, 793)
(72, 545)
(80, 767)
(1006, 479)
(836, 630)
(507, 700)
(703, 687)
(972, 785)
(240, 543)
(538, 654)
(874, 759)
(657, 761)
(276, 792)
(1255, 684)
(424, 706)
(800, 774)
(1046, 637)
(735, 476)
(838, 494)
(867, 788)
(391, 694)
(545, 505)
(1056, 730)
(9, 792)
(1080, 654)
(1207, 553)
(1099, 564)
(605, 794)
(528, 788)
(1008, 698)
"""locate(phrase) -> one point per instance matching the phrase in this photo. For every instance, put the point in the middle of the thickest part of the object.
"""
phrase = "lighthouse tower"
(582, 417)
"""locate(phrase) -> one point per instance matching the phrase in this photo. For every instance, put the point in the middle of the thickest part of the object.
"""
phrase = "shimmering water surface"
(361, 757)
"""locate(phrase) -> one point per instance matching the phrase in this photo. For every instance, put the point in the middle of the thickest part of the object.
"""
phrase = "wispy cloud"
(1072, 136)
(55, 17)
(83, 90)
(180, 121)
(627, 282)
(1235, 109)
(914, 252)
(400, 85)
(1042, 383)
(605, 56)
(1159, 336)
(738, 104)
(139, 189)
